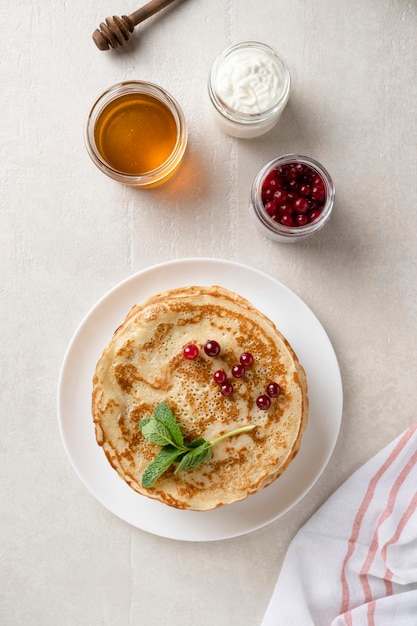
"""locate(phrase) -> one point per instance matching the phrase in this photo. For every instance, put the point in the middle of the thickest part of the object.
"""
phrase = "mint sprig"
(163, 430)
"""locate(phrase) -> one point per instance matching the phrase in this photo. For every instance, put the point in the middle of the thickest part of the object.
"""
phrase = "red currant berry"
(283, 170)
(238, 370)
(263, 402)
(246, 359)
(287, 220)
(292, 174)
(226, 389)
(273, 390)
(292, 196)
(270, 208)
(267, 194)
(301, 220)
(220, 377)
(212, 348)
(190, 352)
(305, 190)
(269, 177)
(301, 205)
(318, 193)
(285, 209)
(280, 196)
(313, 215)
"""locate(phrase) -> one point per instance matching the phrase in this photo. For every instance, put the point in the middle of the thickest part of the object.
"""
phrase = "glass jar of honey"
(136, 133)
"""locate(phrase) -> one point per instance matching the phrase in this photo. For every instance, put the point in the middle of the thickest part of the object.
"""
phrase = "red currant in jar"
(305, 191)
(190, 352)
(292, 173)
(280, 196)
(238, 370)
(267, 194)
(271, 176)
(273, 184)
(273, 390)
(212, 348)
(313, 215)
(318, 193)
(283, 170)
(246, 358)
(220, 377)
(301, 220)
(285, 209)
(287, 220)
(294, 194)
(301, 205)
(226, 389)
(263, 402)
(270, 208)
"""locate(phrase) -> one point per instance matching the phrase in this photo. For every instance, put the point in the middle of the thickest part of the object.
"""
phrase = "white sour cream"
(249, 81)
(249, 86)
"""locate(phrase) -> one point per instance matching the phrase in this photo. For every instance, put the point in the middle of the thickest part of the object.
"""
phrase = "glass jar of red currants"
(292, 198)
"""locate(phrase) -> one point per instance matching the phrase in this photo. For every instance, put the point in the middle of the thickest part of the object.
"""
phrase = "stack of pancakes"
(144, 365)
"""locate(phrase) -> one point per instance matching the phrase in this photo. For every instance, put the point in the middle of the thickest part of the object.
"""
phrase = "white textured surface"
(68, 234)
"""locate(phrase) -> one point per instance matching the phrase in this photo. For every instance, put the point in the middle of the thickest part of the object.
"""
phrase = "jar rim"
(276, 228)
(136, 87)
(230, 112)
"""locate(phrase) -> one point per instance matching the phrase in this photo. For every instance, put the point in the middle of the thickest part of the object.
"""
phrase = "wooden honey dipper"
(115, 31)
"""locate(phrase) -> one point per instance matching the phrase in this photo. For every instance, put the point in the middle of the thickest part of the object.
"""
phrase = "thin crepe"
(144, 364)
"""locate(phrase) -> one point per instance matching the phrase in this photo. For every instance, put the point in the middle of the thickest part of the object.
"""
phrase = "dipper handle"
(115, 31)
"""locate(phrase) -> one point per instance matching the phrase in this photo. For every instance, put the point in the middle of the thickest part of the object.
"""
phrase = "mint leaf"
(165, 416)
(195, 457)
(159, 465)
(155, 432)
(187, 449)
(196, 442)
(143, 422)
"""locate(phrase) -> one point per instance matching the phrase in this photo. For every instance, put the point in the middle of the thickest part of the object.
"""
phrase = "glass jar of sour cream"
(249, 86)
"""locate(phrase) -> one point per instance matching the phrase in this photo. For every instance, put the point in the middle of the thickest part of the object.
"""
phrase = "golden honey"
(135, 133)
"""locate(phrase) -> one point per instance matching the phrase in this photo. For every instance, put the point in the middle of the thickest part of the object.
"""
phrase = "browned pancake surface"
(144, 364)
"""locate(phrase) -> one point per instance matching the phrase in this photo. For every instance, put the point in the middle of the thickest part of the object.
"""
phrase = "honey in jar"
(135, 133)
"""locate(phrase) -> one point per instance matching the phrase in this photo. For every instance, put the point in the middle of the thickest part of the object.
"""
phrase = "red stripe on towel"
(394, 539)
(385, 514)
(361, 514)
(363, 575)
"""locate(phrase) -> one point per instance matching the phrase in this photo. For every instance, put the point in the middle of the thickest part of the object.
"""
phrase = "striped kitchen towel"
(354, 563)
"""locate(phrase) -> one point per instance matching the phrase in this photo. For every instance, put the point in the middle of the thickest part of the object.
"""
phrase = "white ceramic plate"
(294, 319)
